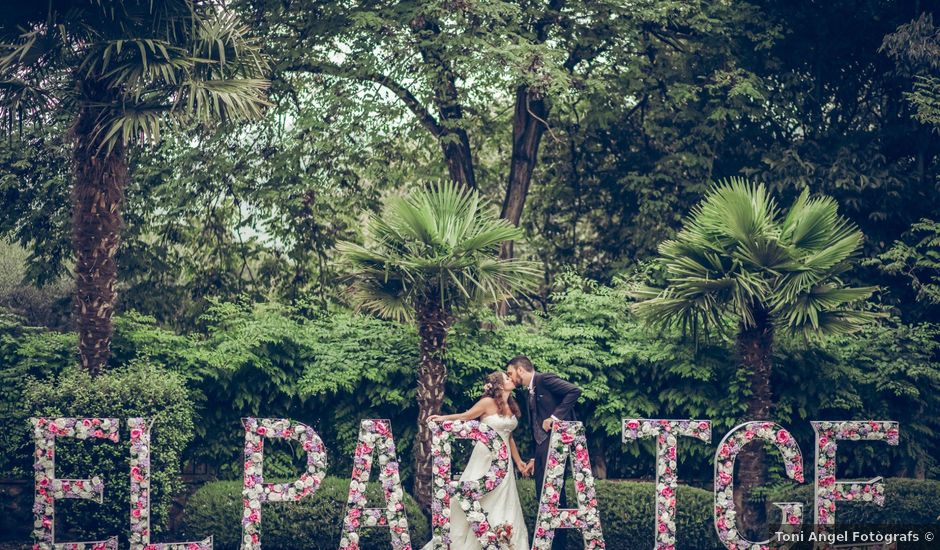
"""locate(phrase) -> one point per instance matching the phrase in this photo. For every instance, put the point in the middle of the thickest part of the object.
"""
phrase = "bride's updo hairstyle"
(494, 388)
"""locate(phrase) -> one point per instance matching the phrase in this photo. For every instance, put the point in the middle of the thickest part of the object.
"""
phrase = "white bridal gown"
(501, 504)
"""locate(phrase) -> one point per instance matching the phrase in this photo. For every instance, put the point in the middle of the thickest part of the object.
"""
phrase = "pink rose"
(633, 424)
(724, 478)
(782, 436)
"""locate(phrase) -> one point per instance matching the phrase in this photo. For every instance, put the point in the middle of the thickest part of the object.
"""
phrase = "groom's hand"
(547, 424)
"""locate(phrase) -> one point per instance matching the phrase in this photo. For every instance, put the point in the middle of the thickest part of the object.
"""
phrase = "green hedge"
(136, 390)
(907, 501)
(314, 523)
(627, 515)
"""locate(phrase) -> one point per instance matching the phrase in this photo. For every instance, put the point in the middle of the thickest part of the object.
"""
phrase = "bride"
(498, 410)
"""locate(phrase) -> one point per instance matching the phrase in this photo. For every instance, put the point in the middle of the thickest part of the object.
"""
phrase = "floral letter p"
(256, 490)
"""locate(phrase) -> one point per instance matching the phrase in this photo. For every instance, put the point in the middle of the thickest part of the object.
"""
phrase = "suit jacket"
(552, 397)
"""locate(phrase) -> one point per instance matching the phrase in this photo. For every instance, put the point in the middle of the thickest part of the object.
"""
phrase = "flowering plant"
(375, 437)
(666, 433)
(828, 488)
(49, 489)
(728, 450)
(568, 440)
(256, 491)
(468, 493)
(504, 536)
(140, 493)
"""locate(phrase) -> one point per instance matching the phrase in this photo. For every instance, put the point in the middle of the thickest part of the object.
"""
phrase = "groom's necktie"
(537, 431)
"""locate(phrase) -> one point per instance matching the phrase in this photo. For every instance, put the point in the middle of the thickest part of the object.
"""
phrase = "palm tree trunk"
(98, 186)
(755, 345)
(433, 325)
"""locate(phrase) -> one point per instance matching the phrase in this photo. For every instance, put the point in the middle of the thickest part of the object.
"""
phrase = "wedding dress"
(501, 504)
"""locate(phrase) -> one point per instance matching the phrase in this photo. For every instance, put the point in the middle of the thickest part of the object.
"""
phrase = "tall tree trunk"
(755, 345)
(455, 143)
(433, 324)
(528, 125)
(98, 184)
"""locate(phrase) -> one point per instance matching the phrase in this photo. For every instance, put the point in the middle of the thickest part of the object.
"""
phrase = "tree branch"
(414, 105)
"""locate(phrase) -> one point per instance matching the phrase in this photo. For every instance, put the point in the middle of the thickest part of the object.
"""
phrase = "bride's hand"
(434, 418)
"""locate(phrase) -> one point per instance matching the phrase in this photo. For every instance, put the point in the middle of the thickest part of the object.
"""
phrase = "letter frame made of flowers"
(828, 490)
(666, 433)
(728, 449)
(375, 437)
(256, 491)
(49, 489)
(567, 440)
(140, 493)
(468, 493)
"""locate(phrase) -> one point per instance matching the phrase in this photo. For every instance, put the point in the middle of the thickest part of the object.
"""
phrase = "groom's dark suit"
(551, 396)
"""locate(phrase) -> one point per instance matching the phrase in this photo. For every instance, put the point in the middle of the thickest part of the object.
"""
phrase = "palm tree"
(430, 256)
(739, 259)
(121, 70)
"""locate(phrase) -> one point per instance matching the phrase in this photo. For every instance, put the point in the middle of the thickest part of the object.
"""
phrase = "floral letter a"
(568, 440)
(375, 436)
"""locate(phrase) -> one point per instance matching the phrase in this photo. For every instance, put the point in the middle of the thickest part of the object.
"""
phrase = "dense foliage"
(137, 389)
(331, 369)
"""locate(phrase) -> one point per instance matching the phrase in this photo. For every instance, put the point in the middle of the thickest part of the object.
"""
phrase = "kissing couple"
(548, 399)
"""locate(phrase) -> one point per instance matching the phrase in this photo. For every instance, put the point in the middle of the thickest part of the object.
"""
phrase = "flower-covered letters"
(568, 440)
(828, 489)
(728, 449)
(375, 438)
(467, 493)
(140, 493)
(49, 489)
(256, 491)
(666, 433)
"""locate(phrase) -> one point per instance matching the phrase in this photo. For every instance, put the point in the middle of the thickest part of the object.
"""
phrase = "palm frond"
(136, 66)
(440, 244)
(735, 257)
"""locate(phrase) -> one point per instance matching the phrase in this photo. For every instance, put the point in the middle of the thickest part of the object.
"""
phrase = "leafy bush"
(314, 523)
(136, 390)
(25, 353)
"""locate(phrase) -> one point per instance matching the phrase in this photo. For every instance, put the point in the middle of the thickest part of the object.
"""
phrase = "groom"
(549, 399)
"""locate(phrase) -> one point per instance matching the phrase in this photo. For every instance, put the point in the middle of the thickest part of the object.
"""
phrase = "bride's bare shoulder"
(488, 404)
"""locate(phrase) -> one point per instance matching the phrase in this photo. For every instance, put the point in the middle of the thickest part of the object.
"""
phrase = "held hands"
(526, 468)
